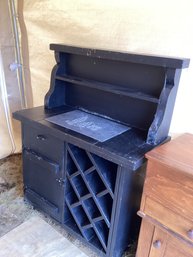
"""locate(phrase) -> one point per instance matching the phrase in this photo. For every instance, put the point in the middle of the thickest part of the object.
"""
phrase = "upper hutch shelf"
(136, 90)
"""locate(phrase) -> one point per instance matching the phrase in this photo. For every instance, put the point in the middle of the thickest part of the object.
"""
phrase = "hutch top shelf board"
(134, 92)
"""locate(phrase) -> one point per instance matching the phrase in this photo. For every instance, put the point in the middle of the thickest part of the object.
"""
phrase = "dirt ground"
(13, 209)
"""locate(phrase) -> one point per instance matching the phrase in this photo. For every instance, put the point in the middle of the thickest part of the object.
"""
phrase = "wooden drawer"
(177, 248)
(169, 219)
(172, 188)
(41, 141)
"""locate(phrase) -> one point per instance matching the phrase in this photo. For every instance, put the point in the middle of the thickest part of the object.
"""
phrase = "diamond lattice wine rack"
(90, 189)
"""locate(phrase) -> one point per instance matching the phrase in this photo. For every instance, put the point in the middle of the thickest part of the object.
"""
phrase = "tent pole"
(18, 65)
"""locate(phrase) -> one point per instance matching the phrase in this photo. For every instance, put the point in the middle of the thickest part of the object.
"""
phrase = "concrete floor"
(37, 238)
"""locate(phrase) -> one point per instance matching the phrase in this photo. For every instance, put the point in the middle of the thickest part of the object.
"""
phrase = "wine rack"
(90, 185)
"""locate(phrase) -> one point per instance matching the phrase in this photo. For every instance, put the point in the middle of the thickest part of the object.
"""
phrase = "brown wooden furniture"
(167, 201)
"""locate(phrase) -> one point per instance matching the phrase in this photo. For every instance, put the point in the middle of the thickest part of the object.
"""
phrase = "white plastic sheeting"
(151, 27)
(10, 99)
(7, 144)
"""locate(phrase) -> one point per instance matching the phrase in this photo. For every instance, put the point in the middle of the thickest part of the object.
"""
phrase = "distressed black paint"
(94, 188)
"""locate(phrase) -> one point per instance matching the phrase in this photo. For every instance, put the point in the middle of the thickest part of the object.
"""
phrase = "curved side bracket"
(159, 128)
(55, 97)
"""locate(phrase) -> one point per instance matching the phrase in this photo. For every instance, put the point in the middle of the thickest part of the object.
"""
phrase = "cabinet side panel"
(126, 222)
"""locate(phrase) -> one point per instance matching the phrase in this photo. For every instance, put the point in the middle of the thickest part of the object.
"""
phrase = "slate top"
(91, 125)
(127, 149)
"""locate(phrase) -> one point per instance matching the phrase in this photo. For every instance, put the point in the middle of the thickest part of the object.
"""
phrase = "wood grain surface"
(173, 189)
(167, 201)
(177, 153)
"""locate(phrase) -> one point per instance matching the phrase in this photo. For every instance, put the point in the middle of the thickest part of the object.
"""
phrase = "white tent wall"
(6, 140)
(151, 27)
(15, 85)
(10, 99)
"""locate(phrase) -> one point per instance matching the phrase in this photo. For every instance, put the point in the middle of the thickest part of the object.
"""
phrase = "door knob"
(190, 233)
(157, 244)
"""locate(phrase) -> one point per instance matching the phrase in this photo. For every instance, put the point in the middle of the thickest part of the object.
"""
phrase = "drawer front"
(43, 142)
(170, 219)
(43, 185)
(172, 188)
(178, 248)
(173, 251)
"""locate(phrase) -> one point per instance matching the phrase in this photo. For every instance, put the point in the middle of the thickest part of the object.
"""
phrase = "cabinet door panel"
(42, 203)
(43, 183)
(158, 243)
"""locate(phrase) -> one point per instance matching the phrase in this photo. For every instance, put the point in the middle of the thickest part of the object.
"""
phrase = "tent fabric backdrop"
(10, 98)
(150, 27)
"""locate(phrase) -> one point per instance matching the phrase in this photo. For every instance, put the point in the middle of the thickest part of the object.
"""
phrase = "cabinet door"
(166, 245)
(146, 238)
(158, 242)
(43, 183)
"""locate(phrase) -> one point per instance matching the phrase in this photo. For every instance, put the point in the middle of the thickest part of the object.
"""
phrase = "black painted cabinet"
(83, 152)
(81, 190)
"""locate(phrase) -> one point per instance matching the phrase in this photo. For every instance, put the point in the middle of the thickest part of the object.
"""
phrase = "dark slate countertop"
(127, 149)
